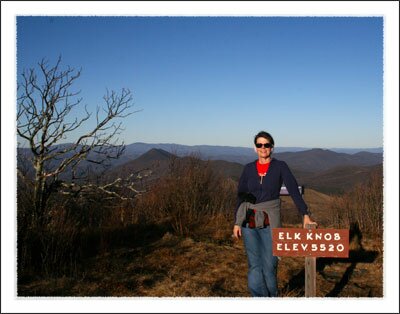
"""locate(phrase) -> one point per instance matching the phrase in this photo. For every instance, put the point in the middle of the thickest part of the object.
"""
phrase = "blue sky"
(309, 81)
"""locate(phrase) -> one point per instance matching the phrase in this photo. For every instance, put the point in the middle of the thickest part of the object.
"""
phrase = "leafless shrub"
(192, 200)
(191, 197)
(73, 228)
(52, 249)
(362, 205)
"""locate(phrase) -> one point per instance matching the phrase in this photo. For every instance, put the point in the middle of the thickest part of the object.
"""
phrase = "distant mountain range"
(321, 159)
(321, 169)
(241, 155)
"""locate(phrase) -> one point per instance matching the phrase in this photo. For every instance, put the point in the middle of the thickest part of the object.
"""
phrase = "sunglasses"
(266, 145)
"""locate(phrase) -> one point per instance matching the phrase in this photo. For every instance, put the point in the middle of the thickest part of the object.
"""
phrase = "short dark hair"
(265, 135)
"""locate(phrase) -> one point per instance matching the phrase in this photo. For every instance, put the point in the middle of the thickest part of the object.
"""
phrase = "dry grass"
(362, 205)
(176, 266)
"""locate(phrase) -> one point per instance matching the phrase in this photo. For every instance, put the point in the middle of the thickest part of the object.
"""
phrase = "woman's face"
(263, 148)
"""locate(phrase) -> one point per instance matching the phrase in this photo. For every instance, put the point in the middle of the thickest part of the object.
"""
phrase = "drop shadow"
(355, 257)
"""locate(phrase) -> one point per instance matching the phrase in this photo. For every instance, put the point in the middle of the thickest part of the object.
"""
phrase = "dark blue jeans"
(262, 270)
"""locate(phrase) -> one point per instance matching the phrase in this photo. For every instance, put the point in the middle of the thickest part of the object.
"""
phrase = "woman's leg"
(253, 246)
(269, 262)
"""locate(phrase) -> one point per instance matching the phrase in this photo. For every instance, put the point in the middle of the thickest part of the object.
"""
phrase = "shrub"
(190, 197)
(363, 205)
(191, 200)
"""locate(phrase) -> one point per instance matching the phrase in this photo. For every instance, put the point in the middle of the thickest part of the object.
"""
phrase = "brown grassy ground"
(183, 267)
(215, 266)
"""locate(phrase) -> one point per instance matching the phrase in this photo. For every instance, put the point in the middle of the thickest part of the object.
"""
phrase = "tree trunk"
(39, 195)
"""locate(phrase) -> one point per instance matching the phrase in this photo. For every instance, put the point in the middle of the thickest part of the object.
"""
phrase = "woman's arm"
(242, 188)
(292, 187)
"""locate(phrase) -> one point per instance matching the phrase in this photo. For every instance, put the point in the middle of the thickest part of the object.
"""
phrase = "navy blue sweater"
(269, 189)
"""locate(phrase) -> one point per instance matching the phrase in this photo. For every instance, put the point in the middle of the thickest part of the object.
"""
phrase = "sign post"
(310, 271)
(310, 243)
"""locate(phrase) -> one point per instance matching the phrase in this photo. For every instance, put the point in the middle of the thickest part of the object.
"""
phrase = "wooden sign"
(310, 242)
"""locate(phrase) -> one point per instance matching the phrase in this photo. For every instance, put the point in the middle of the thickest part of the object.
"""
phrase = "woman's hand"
(237, 232)
(308, 221)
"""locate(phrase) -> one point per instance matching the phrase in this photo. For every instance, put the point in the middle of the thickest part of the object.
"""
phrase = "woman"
(258, 211)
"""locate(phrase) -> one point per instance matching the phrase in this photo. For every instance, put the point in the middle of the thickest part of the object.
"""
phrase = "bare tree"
(46, 116)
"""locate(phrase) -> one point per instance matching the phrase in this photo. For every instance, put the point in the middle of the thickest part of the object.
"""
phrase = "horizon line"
(305, 147)
(216, 145)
